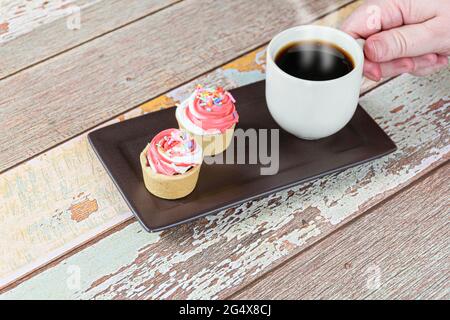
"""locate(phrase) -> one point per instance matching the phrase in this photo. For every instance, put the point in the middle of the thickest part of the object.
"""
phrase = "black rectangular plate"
(223, 186)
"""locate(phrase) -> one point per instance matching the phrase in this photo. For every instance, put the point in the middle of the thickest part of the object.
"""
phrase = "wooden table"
(379, 230)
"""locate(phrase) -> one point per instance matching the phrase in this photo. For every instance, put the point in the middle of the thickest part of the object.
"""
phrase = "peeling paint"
(19, 17)
(208, 258)
(83, 209)
(4, 27)
(214, 255)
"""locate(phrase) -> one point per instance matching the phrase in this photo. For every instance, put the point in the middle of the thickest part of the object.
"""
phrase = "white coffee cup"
(313, 109)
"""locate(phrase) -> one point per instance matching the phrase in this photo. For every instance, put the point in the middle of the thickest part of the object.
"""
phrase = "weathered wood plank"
(36, 30)
(19, 17)
(61, 97)
(215, 256)
(397, 251)
(70, 177)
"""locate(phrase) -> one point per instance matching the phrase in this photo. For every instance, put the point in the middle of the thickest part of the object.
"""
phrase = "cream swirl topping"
(172, 152)
(208, 111)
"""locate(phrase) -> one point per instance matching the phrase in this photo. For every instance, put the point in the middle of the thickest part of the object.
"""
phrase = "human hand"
(402, 36)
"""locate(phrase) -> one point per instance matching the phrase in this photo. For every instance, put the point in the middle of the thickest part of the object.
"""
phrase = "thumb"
(406, 41)
(374, 16)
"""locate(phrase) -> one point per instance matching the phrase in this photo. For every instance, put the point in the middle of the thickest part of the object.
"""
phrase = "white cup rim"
(358, 61)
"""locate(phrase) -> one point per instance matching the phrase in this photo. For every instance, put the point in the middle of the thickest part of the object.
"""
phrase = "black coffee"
(314, 60)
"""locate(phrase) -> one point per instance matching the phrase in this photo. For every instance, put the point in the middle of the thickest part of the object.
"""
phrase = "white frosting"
(151, 164)
(186, 122)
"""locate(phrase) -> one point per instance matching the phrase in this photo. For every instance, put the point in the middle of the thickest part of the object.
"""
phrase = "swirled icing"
(172, 152)
(208, 111)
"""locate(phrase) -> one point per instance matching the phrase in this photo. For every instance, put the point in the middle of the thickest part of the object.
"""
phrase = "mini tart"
(212, 144)
(210, 116)
(168, 186)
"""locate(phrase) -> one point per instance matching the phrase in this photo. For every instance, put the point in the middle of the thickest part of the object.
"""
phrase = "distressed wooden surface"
(43, 193)
(19, 17)
(76, 90)
(36, 30)
(215, 256)
(397, 251)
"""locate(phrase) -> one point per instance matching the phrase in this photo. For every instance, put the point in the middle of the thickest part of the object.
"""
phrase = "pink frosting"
(172, 152)
(212, 109)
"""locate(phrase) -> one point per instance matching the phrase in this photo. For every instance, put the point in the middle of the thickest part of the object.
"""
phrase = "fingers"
(440, 64)
(372, 70)
(370, 17)
(376, 15)
(407, 65)
(405, 41)
(419, 66)
(402, 36)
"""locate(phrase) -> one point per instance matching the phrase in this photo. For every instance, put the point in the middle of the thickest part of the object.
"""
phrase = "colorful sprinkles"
(169, 142)
(209, 97)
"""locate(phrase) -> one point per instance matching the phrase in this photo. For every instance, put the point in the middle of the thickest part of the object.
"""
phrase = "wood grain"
(18, 17)
(70, 176)
(41, 29)
(66, 95)
(397, 251)
(217, 255)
